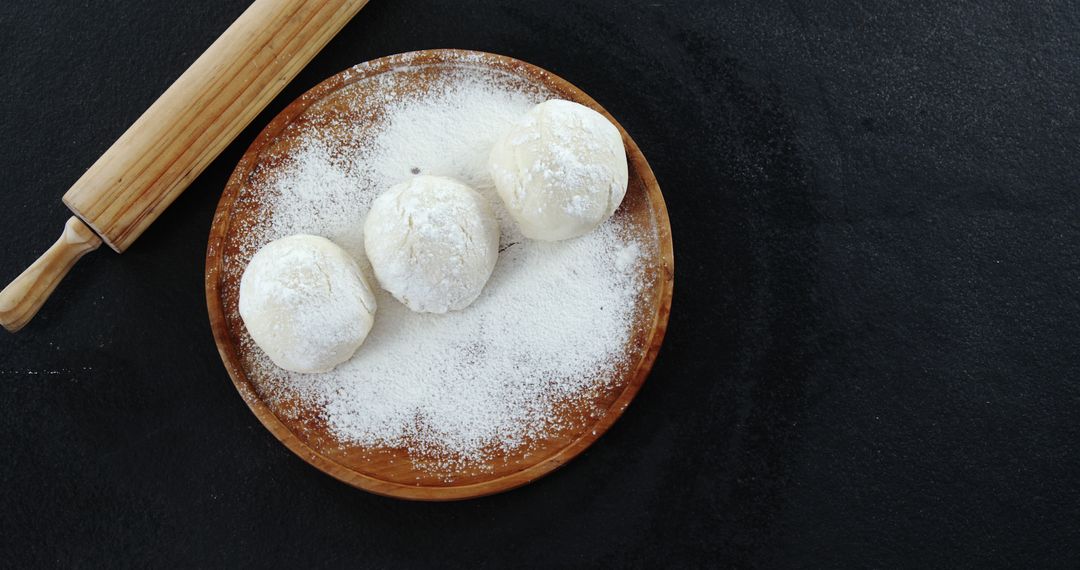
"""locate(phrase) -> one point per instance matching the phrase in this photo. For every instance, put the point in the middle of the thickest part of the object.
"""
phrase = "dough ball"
(432, 242)
(560, 170)
(305, 303)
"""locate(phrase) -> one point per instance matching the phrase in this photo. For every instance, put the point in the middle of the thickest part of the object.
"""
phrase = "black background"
(872, 355)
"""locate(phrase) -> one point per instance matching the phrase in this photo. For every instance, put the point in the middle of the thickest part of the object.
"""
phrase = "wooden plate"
(389, 471)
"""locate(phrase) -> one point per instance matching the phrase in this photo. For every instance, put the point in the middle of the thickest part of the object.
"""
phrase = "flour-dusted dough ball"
(560, 170)
(432, 242)
(305, 303)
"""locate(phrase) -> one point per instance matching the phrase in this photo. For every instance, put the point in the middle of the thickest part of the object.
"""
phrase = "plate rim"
(226, 345)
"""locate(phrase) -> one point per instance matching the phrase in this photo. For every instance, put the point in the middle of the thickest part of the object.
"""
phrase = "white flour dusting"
(549, 328)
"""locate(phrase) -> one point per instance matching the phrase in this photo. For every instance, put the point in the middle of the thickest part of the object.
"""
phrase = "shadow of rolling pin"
(148, 167)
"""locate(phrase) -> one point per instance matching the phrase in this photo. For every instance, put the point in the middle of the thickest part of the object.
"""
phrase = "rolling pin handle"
(24, 296)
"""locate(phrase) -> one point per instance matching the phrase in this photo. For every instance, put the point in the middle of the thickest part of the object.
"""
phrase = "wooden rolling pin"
(178, 136)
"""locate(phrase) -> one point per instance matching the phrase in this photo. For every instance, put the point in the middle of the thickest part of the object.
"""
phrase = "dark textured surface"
(872, 357)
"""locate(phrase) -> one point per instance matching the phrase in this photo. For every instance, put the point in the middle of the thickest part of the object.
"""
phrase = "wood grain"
(24, 296)
(392, 471)
(185, 129)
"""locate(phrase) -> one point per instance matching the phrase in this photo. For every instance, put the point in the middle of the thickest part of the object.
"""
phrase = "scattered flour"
(550, 327)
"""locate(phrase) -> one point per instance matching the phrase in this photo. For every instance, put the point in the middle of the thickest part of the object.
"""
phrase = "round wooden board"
(389, 471)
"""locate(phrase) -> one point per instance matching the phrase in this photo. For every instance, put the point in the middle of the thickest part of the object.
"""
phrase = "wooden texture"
(181, 133)
(392, 471)
(24, 296)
